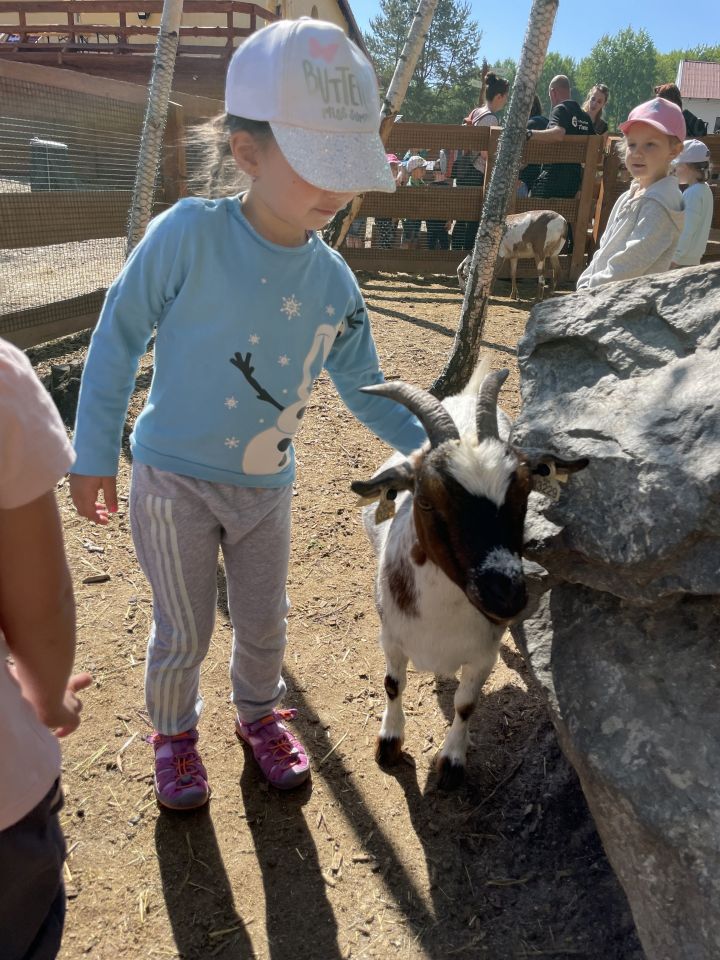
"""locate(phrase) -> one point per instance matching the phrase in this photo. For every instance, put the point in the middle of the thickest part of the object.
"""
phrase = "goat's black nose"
(498, 596)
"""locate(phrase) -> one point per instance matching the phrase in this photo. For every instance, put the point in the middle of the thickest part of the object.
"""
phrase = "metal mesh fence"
(67, 168)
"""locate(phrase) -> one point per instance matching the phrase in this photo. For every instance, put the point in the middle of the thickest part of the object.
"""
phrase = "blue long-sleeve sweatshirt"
(244, 327)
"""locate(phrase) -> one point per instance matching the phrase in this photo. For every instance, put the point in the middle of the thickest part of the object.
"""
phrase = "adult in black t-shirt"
(566, 120)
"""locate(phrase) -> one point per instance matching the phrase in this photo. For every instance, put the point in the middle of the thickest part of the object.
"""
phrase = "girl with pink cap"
(645, 224)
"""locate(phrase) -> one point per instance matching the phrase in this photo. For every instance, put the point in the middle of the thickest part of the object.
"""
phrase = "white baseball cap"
(693, 151)
(319, 94)
(414, 162)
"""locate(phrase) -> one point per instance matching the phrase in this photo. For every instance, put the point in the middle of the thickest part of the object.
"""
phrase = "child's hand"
(84, 492)
(66, 719)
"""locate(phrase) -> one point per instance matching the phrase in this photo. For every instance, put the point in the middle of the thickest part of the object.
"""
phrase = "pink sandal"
(180, 777)
(281, 756)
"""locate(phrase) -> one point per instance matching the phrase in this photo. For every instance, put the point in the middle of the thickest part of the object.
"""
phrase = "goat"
(450, 575)
(536, 233)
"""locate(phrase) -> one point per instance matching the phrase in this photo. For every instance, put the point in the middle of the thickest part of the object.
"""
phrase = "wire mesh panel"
(67, 168)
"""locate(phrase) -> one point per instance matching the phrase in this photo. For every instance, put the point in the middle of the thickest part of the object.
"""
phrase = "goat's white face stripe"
(484, 469)
(501, 560)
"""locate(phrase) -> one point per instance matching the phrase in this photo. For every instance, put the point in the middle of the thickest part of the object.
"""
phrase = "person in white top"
(691, 169)
(646, 222)
(38, 697)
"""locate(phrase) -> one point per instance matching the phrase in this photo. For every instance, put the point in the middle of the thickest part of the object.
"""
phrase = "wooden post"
(580, 227)
(608, 188)
(174, 165)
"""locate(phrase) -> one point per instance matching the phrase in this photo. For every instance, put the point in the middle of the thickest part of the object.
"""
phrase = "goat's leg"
(540, 264)
(514, 295)
(388, 748)
(555, 261)
(450, 761)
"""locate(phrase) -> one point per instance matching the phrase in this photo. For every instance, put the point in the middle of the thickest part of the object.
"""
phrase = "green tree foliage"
(444, 86)
(626, 62)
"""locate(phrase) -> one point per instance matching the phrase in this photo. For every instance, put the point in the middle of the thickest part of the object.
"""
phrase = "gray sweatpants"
(178, 525)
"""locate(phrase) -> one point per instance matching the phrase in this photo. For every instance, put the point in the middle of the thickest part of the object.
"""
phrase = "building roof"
(699, 79)
(353, 29)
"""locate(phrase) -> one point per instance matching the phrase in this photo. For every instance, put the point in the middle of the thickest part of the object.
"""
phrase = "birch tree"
(154, 123)
(466, 347)
(334, 233)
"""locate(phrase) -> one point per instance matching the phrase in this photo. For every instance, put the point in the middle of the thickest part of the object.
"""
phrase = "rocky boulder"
(625, 640)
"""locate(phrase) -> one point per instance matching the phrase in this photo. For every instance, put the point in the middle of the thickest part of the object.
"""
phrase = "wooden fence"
(82, 26)
(465, 203)
(34, 222)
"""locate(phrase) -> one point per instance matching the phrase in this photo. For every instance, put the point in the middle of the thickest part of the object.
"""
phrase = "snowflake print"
(330, 310)
(290, 307)
(283, 360)
(254, 338)
(232, 442)
(231, 403)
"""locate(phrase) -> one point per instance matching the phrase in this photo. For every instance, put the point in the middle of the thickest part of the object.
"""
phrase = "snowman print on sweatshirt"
(267, 452)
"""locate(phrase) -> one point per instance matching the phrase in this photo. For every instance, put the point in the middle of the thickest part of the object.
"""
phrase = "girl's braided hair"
(210, 157)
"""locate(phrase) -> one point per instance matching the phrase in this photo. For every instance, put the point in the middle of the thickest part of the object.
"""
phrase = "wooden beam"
(194, 106)
(27, 328)
(42, 218)
(593, 149)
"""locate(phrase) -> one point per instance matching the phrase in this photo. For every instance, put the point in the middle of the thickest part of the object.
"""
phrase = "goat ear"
(399, 477)
(549, 472)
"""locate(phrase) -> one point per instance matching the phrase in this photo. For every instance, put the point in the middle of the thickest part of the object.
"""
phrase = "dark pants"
(465, 231)
(437, 236)
(32, 902)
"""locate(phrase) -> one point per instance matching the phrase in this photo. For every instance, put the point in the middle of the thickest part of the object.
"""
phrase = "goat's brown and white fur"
(536, 234)
(450, 573)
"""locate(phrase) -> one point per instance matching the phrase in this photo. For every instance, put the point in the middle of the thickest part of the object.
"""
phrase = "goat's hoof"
(451, 774)
(388, 751)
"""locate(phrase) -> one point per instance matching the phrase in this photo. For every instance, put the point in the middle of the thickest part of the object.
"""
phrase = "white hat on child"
(694, 151)
(320, 96)
(414, 162)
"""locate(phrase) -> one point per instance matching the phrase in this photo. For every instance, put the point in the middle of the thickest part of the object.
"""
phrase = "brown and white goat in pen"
(540, 234)
(450, 575)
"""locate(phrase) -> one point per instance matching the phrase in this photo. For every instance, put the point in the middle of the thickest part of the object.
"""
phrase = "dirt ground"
(361, 863)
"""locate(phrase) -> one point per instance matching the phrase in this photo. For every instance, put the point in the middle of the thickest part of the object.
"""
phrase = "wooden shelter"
(115, 39)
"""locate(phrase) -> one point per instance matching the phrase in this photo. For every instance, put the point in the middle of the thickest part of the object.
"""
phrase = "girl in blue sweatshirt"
(247, 305)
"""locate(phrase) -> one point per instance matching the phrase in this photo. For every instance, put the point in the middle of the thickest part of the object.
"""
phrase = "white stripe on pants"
(179, 524)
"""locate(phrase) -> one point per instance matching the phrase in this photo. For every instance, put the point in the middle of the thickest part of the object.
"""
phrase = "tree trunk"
(466, 347)
(334, 233)
(154, 122)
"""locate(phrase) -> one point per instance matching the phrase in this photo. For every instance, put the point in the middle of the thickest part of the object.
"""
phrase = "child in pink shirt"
(38, 701)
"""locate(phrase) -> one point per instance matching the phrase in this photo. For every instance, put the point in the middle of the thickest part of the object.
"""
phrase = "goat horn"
(486, 410)
(438, 423)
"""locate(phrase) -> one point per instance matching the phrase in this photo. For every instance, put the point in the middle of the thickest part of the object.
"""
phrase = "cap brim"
(340, 162)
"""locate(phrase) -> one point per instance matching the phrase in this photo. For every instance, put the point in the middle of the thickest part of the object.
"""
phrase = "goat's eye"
(423, 503)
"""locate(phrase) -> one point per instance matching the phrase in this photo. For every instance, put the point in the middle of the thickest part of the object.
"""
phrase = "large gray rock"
(626, 642)
(629, 376)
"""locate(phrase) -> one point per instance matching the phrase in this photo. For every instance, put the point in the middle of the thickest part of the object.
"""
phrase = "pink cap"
(659, 113)
(391, 158)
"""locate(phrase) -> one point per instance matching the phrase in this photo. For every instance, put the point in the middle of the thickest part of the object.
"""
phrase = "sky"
(578, 25)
